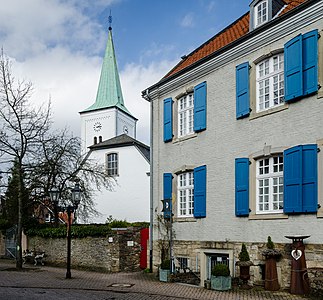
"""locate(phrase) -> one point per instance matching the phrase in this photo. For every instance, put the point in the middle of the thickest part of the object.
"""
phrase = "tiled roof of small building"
(233, 32)
(123, 140)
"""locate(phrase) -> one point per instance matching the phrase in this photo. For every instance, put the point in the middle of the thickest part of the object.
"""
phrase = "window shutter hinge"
(319, 206)
(318, 35)
(249, 162)
(249, 67)
(318, 150)
(250, 109)
(318, 86)
(249, 210)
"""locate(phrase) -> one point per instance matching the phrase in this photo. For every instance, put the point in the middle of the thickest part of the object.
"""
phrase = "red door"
(144, 236)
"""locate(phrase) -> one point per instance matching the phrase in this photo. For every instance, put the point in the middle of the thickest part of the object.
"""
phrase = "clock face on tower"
(125, 129)
(97, 126)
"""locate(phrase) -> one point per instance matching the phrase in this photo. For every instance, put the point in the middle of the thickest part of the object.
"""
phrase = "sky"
(59, 45)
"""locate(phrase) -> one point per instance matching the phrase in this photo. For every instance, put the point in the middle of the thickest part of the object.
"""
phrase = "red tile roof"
(233, 32)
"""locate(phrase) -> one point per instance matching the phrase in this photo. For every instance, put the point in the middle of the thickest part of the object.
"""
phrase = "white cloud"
(188, 21)
(134, 79)
(55, 45)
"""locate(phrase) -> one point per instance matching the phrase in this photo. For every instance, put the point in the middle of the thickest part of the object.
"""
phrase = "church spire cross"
(110, 21)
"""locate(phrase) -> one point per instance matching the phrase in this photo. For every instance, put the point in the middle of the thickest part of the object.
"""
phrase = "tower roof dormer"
(109, 93)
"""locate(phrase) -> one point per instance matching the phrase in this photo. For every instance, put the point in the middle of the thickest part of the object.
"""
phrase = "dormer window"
(261, 13)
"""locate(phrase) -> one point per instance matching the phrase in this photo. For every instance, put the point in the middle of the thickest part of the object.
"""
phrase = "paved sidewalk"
(50, 278)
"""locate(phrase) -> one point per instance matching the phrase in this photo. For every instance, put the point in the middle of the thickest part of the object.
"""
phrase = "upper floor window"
(270, 185)
(270, 82)
(186, 115)
(112, 164)
(261, 13)
(185, 185)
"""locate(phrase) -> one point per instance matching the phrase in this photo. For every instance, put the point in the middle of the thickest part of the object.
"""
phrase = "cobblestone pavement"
(50, 283)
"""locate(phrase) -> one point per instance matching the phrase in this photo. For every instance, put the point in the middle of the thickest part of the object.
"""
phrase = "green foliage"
(165, 265)
(244, 255)
(270, 243)
(220, 270)
(77, 231)
(114, 223)
(4, 224)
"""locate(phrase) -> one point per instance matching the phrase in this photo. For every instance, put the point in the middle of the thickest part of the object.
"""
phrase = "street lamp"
(69, 209)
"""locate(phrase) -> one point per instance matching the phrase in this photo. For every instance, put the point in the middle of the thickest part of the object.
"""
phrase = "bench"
(33, 257)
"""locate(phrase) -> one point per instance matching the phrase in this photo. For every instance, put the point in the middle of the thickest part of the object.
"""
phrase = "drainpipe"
(151, 214)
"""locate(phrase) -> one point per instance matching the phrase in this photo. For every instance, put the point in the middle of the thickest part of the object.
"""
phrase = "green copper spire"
(109, 92)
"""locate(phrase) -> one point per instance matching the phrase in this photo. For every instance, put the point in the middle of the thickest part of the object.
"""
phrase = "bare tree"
(20, 128)
(58, 162)
(42, 158)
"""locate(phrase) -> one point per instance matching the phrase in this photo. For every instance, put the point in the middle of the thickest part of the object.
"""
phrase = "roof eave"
(229, 46)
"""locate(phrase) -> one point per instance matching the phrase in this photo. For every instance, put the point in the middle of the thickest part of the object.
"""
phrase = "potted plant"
(271, 254)
(164, 270)
(220, 277)
(244, 263)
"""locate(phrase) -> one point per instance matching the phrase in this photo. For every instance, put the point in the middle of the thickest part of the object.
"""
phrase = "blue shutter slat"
(242, 90)
(293, 68)
(168, 186)
(200, 192)
(309, 180)
(200, 107)
(293, 180)
(242, 187)
(310, 60)
(168, 120)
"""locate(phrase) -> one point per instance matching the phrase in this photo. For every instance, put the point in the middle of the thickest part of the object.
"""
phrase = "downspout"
(151, 214)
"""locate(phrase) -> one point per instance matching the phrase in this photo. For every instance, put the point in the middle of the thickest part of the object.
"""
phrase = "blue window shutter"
(200, 107)
(200, 192)
(168, 120)
(168, 187)
(242, 90)
(310, 60)
(293, 180)
(242, 187)
(293, 66)
(309, 180)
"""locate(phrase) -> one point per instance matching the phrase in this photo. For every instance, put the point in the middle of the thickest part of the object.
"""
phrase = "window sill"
(255, 115)
(184, 138)
(185, 219)
(268, 217)
(319, 214)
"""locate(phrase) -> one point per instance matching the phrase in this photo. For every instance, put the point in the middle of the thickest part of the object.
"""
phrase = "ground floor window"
(270, 184)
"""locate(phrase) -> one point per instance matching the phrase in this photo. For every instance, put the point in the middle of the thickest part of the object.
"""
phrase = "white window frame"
(113, 164)
(270, 82)
(185, 194)
(269, 184)
(261, 13)
(185, 115)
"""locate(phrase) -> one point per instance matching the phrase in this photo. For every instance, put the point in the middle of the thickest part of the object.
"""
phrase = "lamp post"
(69, 209)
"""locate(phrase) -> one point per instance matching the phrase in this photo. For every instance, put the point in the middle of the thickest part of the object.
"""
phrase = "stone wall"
(194, 250)
(119, 251)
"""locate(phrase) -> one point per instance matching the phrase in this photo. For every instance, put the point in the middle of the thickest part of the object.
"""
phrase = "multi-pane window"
(270, 186)
(186, 115)
(270, 82)
(112, 164)
(261, 13)
(186, 194)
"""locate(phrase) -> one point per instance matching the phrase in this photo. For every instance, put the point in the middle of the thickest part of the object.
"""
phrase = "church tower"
(108, 117)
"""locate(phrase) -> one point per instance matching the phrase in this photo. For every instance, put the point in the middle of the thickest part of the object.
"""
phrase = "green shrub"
(244, 255)
(220, 270)
(270, 243)
(165, 265)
